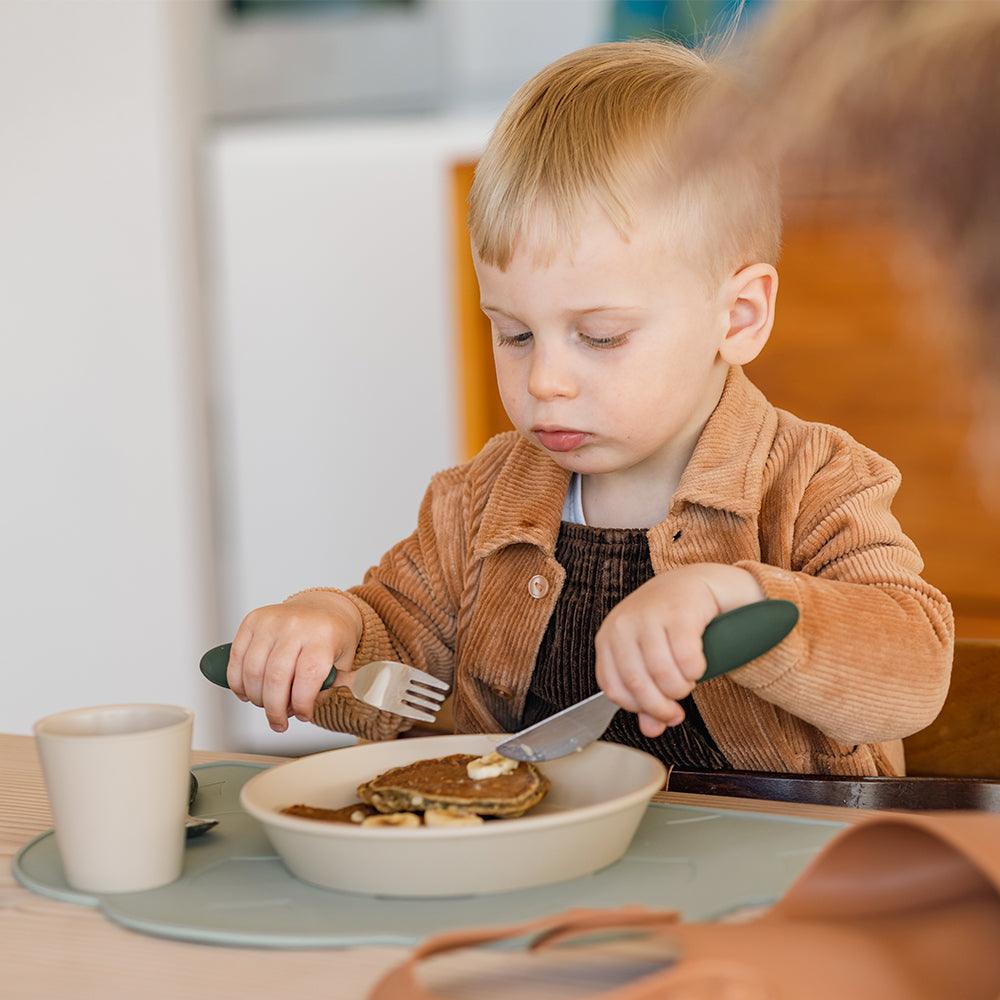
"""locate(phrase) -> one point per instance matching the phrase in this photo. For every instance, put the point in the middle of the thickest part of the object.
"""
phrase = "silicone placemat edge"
(266, 939)
(83, 898)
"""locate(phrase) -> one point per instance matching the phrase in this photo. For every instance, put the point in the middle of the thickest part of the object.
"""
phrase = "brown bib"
(603, 566)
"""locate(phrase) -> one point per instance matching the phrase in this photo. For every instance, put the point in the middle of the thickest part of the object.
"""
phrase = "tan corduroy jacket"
(801, 506)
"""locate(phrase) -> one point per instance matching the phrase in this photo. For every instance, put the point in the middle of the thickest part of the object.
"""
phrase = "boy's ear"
(749, 297)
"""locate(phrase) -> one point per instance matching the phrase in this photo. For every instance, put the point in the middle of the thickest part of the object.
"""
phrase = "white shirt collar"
(573, 503)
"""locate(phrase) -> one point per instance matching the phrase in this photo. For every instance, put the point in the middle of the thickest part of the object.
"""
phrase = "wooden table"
(56, 951)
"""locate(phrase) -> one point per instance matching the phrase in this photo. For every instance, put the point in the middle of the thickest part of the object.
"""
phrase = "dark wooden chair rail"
(834, 790)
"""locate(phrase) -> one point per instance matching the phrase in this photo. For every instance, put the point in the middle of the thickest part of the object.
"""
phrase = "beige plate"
(586, 821)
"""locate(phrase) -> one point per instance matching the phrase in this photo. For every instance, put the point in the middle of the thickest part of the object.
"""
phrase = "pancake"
(332, 815)
(444, 783)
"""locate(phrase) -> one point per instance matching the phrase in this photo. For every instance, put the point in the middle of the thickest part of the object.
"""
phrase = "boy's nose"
(548, 379)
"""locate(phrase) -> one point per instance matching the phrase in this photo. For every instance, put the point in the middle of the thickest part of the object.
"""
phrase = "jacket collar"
(725, 473)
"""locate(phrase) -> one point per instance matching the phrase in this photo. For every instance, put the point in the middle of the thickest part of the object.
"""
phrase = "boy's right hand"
(282, 653)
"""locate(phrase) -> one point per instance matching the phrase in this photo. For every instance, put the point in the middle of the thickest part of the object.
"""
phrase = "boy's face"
(606, 357)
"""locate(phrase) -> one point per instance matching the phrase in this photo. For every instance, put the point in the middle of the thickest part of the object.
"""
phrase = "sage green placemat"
(235, 891)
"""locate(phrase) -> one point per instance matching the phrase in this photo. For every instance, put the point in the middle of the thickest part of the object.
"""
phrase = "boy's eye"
(512, 341)
(598, 343)
(604, 343)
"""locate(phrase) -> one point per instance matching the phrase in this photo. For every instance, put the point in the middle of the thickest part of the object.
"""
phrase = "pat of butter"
(490, 766)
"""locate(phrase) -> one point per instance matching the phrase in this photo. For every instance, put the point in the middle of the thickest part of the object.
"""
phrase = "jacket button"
(538, 586)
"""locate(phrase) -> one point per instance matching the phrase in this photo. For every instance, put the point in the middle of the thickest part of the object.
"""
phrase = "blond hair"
(603, 124)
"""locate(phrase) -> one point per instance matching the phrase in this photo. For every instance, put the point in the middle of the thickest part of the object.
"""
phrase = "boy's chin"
(597, 461)
(587, 461)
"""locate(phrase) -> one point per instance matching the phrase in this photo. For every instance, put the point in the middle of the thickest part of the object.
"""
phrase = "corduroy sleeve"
(409, 608)
(870, 658)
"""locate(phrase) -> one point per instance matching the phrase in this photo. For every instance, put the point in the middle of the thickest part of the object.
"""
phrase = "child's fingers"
(687, 649)
(651, 727)
(278, 681)
(311, 670)
(234, 669)
(608, 678)
(635, 676)
(254, 662)
(658, 658)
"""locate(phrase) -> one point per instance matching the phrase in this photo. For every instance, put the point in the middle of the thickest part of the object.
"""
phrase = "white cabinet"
(333, 348)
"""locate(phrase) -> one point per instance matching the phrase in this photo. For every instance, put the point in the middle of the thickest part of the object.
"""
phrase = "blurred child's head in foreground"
(620, 286)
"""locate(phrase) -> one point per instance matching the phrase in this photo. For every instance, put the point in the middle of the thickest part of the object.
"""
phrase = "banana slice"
(490, 766)
(392, 819)
(447, 817)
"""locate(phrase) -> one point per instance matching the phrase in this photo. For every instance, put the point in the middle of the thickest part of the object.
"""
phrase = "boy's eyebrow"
(568, 312)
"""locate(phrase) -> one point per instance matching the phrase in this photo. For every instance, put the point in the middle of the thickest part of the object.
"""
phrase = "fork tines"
(425, 691)
(428, 680)
(422, 697)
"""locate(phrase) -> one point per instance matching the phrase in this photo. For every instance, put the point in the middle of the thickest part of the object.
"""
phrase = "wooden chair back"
(964, 740)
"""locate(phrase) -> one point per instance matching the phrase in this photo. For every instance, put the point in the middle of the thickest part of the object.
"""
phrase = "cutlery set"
(730, 640)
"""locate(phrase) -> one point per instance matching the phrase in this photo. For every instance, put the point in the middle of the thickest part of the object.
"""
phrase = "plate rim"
(334, 831)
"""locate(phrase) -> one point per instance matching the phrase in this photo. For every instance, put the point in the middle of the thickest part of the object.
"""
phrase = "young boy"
(648, 487)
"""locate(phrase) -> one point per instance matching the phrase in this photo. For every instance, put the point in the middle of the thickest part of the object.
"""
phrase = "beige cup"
(117, 778)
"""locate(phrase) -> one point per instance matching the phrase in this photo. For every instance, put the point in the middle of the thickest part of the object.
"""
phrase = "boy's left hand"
(649, 651)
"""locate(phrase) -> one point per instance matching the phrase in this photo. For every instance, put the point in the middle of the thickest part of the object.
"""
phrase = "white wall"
(105, 557)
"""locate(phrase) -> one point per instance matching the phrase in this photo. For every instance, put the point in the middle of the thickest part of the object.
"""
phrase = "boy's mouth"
(559, 438)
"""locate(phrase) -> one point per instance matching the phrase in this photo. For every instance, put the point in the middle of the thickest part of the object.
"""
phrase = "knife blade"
(729, 641)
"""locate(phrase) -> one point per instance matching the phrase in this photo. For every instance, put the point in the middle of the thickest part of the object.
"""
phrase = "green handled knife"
(729, 641)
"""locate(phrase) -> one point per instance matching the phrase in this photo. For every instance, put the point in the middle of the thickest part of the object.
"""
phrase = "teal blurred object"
(687, 21)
